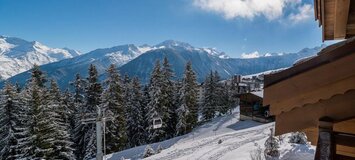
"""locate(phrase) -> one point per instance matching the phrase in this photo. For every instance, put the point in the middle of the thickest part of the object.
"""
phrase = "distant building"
(251, 105)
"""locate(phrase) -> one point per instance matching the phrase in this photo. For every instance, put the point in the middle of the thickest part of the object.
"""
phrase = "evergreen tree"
(224, 99)
(116, 136)
(167, 91)
(135, 118)
(38, 76)
(79, 129)
(148, 151)
(233, 95)
(182, 113)
(38, 142)
(68, 101)
(188, 96)
(187, 112)
(10, 123)
(61, 117)
(144, 109)
(93, 92)
(17, 87)
(218, 94)
(210, 102)
(155, 108)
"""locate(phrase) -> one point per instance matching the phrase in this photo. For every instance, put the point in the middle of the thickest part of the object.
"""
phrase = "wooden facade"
(317, 96)
(337, 18)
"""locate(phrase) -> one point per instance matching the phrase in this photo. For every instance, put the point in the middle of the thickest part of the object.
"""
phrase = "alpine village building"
(317, 94)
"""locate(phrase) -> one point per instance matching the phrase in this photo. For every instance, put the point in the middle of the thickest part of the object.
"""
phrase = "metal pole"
(99, 154)
(104, 128)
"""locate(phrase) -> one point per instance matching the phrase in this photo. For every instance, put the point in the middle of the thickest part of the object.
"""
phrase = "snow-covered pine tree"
(224, 103)
(116, 133)
(298, 138)
(135, 118)
(182, 114)
(272, 146)
(68, 101)
(62, 144)
(38, 76)
(209, 101)
(233, 95)
(38, 142)
(188, 95)
(155, 106)
(79, 129)
(10, 122)
(159, 148)
(17, 87)
(127, 105)
(218, 94)
(144, 109)
(148, 151)
(168, 92)
(93, 92)
(126, 81)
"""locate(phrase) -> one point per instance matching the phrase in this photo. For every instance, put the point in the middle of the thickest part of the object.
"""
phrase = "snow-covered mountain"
(185, 46)
(139, 61)
(204, 61)
(18, 55)
(64, 71)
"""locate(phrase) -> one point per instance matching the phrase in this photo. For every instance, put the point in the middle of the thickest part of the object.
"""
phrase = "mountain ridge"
(18, 55)
(138, 61)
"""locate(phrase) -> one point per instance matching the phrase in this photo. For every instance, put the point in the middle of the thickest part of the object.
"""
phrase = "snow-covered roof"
(304, 59)
(258, 93)
(243, 84)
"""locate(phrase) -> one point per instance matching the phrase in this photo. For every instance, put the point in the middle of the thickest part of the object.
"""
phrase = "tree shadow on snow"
(244, 125)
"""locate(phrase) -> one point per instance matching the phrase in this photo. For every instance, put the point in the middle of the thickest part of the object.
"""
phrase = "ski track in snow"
(218, 150)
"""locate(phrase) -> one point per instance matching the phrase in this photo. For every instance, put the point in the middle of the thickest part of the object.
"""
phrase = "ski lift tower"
(100, 121)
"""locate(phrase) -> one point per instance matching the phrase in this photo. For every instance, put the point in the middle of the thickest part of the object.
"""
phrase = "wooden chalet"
(317, 95)
(251, 107)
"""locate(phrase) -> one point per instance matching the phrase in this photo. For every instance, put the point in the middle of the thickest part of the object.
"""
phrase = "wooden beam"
(344, 139)
(341, 18)
(322, 19)
(350, 29)
(315, 10)
(325, 147)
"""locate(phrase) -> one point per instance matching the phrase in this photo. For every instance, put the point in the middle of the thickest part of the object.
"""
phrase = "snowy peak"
(18, 55)
(15, 47)
(122, 53)
(173, 44)
(214, 52)
(256, 54)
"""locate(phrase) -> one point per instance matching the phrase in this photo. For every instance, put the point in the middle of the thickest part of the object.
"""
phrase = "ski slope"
(238, 138)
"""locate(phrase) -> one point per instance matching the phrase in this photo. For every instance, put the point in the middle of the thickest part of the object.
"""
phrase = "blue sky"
(233, 26)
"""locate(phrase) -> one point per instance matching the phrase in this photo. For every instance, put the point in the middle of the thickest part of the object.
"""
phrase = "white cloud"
(230, 9)
(250, 55)
(249, 9)
(305, 12)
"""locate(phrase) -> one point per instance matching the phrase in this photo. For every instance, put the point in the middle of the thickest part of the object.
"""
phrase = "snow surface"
(239, 138)
(258, 93)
